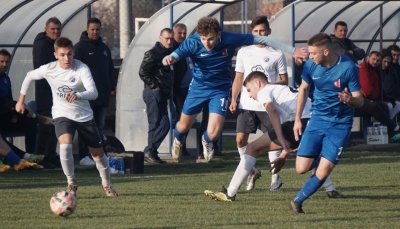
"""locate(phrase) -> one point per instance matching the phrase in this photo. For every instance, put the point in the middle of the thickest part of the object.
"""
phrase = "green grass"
(171, 196)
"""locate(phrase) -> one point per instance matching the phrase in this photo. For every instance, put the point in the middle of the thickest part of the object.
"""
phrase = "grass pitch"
(171, 196)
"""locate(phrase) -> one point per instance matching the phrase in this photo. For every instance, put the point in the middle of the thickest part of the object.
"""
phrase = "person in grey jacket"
(343, 45)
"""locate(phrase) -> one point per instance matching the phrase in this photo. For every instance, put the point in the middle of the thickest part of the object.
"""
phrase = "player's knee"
(241, 142)
(97, 153)
(301, 169)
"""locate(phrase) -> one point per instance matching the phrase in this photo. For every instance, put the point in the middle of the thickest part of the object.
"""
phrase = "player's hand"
(71, 97)
(20, 107)
(345, 96)
(297, 129)
(168, 60)
(300, 53)
(233, 107)
(277, 165)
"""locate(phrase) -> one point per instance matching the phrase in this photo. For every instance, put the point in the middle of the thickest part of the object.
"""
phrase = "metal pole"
(293, 42)
(125, 26)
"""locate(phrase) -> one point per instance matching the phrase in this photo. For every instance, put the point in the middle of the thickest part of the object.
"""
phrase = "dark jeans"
(157, 117)
(379, 110)
(99, 116)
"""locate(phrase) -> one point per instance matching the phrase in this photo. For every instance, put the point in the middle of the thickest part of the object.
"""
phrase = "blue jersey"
(328, 83)
(213, 69)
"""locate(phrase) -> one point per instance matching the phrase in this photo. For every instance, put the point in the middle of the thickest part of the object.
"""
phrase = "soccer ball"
(63, 203)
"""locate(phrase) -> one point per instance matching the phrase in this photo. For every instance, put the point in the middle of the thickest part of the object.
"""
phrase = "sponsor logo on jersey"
(203, 54)
(91, 53)
(63, 90)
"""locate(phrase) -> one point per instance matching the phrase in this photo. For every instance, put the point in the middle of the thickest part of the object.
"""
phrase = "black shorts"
(87, 131)
(249, 121)
(288, 133)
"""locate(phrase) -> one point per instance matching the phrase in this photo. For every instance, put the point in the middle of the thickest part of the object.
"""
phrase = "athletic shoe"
(24, 164)
(4, 168)
(208, 149)
(275, 183)
(200, 159)
(219, 196)
(296, 207)
(87, 161)
(334, 194)
(72, 188)
(110, 192)
(177, 150)
(251, 179)
(151, 159)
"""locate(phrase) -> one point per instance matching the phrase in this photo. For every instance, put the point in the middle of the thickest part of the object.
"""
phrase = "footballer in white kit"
(72, 86)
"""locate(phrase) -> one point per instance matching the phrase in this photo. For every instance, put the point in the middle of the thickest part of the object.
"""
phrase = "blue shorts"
(324, 138)
(217, 102)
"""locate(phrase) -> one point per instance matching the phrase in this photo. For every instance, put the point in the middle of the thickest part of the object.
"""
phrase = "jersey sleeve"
(186, 48)
(307, 71)
(239, 61)
(273, 43)
(90, 92)
(36, 74)
(281, 64)
(353, 76)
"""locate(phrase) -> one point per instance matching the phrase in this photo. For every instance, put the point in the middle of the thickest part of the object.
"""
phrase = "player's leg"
(65, 131)
(92, 137)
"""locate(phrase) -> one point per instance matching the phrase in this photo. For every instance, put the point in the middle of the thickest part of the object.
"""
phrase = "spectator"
(343, 45)
(43, 53)
(370, 82)
(395, 51)
(11, 121)
(157, 90)
(92, 51)
(391, 82)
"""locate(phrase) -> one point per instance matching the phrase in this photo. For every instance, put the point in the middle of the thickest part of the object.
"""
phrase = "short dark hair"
(93, 20)
(320, 40)
(4, 52)
(260, 20)
(207, 25)
(168, 30)
(53, 20)
(340, 23)
(393, 48)
(180, 25)
(255, 75)
(63, 42)
(374, 53)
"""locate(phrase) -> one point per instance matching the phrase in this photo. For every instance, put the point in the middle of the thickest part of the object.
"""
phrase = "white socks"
(328, 185)
(242, 151)
(67, 162)
(103, 167)
(242, 171)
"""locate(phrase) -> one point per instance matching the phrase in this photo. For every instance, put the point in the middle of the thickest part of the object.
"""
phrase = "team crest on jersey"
(258, 68)
(337, 83)
(224, 52)
(72, 79)
(266, 59)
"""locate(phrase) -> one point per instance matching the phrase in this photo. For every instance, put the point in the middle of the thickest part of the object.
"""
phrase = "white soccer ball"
(63, 203)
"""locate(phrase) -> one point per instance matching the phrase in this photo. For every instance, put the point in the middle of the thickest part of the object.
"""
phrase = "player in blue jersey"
(337, 90)
(211, 51)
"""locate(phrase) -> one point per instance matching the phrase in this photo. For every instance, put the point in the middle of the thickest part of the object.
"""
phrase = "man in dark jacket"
(343, 45)
(43, 53)
(158, 80)
(92, 51)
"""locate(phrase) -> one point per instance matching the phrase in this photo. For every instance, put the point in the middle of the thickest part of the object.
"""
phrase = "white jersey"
(264, 59)
(76, 79)
(284, 99)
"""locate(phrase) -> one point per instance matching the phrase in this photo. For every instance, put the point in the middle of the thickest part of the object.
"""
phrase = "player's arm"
(36, 74)
(283, 79)
(171, 59)
(274, 116)
(354, 99)
(90, 92)
(236, 88)
(295, 52)
(302, 97)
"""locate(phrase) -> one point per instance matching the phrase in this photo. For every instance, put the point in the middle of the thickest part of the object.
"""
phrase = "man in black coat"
(43, 53)
(92, 51)
(158, 81)
(343, 45)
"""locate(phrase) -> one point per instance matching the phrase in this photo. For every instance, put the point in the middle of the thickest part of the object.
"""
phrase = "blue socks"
(179, 136)
(311, 186)
(11, 158)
